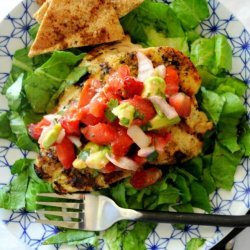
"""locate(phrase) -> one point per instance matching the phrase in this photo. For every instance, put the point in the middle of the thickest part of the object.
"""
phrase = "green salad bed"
(182, 187)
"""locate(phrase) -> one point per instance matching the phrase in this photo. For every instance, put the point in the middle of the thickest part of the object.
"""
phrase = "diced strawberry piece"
(145, 177)
(109, 168)
(35, 130)
(87, 118)
(144, 108)
(181, 103)
(132, 87)
(121, 145)
(88, 91)
(172, 80)
(102, 134)
(123, 71)
(66, 153)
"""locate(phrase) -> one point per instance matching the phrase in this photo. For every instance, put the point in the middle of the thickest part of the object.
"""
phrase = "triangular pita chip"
(76, 23)
(41, 11)
(122, 8)
(40, 1)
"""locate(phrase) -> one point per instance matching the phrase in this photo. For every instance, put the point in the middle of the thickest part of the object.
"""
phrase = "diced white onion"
(144, 152)
(138, 136)
(165, 108)
(160, 71)
(145, 67)
(60, 136)
(75, 140)
(123, 162)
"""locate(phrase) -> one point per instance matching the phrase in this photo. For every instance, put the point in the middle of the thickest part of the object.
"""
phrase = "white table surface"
(241, 9)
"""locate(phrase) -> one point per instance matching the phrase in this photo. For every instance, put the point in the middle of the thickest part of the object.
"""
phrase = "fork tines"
(63, 196)
(79, 215)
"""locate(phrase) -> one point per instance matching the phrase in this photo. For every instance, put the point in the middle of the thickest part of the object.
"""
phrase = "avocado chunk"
(89, 149)
(159, 122)
(52, 136)
(154, 85)
(125, 113)
(92, 147)
(98, 160)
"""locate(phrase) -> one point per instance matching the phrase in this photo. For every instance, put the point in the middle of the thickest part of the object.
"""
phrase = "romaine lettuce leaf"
(33, 189)
(212, 104)
(119, 194)
(23, 64)
(182, 185)
(47, 79)
(13, 93)
(156, 39)
(72, 78)
(118, 235)
(244, 136)
(195, 243)
(169, 196)
(135, 239)
(223, 166)
(151, 15)
(223, 54)
(190, 12)
(5, 129)
(12, 196)
(222, 84)
(207, 181)
(19, 129)
(194, 167)
(73, 236)
(33, 31)
(215, 54)
(113, 237)
(21, 165)
(200, 197)
(230, 117)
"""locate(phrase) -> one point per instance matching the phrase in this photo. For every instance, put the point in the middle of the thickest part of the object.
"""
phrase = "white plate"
(14, 35)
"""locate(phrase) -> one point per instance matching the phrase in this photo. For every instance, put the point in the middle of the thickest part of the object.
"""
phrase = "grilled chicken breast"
(186, 136)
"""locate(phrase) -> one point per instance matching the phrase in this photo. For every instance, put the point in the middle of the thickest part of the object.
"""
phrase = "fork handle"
(197, 219)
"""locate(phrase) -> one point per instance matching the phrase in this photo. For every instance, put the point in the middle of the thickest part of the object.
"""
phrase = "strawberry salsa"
(119, 124)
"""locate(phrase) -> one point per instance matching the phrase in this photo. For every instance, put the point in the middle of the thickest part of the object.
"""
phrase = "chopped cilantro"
(108, 112)
(153, 156)
(125, 121)
(138, 115)
(145, 127)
